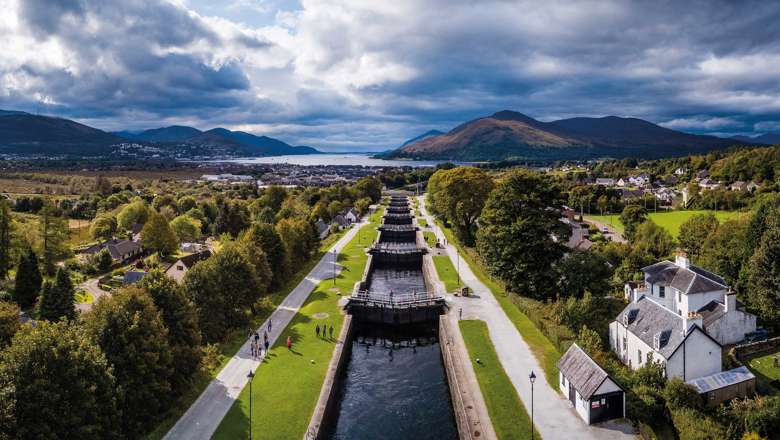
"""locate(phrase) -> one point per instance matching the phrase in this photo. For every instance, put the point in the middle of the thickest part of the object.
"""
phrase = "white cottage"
(592, 393)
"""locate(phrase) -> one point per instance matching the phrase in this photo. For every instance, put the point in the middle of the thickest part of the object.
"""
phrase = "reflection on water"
(335, 159)
(395, 387)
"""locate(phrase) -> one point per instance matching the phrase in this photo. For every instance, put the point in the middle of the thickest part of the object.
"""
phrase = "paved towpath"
(204, 416)
(613, 233)
(553, 416)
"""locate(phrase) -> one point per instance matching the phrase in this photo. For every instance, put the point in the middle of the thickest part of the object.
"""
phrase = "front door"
(572, 394)
(606, 407)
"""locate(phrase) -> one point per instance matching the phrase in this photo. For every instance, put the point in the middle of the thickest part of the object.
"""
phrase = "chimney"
(692, 319)
(731, 301)
(681, 260)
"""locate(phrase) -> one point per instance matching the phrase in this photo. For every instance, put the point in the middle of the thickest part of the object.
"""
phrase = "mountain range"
(512, 135)
(25, 133)
(765, 139)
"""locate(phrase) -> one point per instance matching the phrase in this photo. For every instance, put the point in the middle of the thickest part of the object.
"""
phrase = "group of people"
(256, 347)
(324, 329)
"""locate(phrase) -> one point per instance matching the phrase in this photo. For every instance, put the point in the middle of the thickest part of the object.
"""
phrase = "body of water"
(395, 387)
(335, 159)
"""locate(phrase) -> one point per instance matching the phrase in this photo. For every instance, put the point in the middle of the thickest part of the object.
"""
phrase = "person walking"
(266, 347)
(269, 325)
(289, 343)
(265, 336)
(318, 330)
(331, 331)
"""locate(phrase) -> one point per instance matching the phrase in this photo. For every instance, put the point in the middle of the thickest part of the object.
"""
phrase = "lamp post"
(334, 267)
(251, 375)
(532, 378)
(457, 260)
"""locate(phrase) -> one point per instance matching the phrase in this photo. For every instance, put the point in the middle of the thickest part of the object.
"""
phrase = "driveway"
(554, 417)
(93, 287)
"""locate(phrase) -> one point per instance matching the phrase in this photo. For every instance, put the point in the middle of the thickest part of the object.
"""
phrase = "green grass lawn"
(447, 272)
(287, 384)
(421, 222)
(84, 297)
(430, 238)
(237, 337)
(508, 414)
(544, 351)
(670, 220)
(766, 372)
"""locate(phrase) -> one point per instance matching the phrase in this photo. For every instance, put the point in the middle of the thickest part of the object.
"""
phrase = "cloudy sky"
(364, 74)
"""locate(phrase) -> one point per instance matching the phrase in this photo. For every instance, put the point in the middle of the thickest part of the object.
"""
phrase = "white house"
(640, 180)
(686, 289)
(352, 216)
(604, 181)
(592, 393)
(621, 182)
(183, 265)
(646, 331)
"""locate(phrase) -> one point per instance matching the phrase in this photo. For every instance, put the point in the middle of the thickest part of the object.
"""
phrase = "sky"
(348, 75)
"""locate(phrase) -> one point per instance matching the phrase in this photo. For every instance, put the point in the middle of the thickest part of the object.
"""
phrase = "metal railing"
(414, 299)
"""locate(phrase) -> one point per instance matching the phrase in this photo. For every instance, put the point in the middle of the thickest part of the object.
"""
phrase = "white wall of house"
(177, 271)
(732, 326)
(607, 387)
(633, 351)
(692, 303)
(698, 356)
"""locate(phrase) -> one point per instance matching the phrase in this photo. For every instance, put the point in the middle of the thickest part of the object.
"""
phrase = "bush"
(679, 394)
(696, 425)
(760, 415)
(645, 404)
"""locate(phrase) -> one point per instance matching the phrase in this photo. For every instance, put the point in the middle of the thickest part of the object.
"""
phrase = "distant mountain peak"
(510, 115)
(425, 135)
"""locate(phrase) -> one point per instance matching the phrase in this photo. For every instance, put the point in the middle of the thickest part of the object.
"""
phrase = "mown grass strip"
(447, 273)
(508, 414)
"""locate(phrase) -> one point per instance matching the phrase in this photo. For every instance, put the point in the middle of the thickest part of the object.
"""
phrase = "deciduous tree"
(459, 195)
(763, 293)
(135, 213)
(9, 322)
(6, 231)
(694, 233)
(103, 227)
(158, 236)
(186, 228)
(631, 217)
(269, 240)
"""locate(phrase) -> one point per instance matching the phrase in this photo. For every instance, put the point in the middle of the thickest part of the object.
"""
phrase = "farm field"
(670, 220)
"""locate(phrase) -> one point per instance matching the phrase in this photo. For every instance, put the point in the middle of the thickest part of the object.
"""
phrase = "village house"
(352, 215)
(680, 171)
(708, 184)
(640, 180)
(580, 236)
(687, 290)
(738, 186)
(322, 229)
(341, 221)
(121, 251)
(605, 181)
(183, 265)
(592, 393)
(621, 182)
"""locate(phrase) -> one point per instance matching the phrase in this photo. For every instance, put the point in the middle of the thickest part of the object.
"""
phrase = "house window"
(179, 267)
(679, 297)
(661, 292)
(625, 343)
(650, 357)
(639, 357)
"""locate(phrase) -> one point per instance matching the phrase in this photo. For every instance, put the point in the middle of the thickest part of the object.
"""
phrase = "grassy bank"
(508, 414)
(287, 383)
(227, 349)
(669, 220)
(542, 348)
(447, 272)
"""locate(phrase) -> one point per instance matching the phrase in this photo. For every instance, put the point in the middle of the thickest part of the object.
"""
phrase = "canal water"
(394, 386)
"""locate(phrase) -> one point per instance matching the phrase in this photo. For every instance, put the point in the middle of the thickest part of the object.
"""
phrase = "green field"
(508, 414)
(670, 220)
(447, 272)
(430, 238)
(287, 383)
(766, 372)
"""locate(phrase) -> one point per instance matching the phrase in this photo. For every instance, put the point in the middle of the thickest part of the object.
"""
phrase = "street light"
(532, 378)
(334, 267)
(457, 260)
(251, 375)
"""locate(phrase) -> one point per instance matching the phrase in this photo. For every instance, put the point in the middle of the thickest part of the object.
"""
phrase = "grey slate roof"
(189, 260)
(722, 379)
(650, 319)
(689, 281)
(132, 277)
(714, 310)
(582, 371)
(120, 249)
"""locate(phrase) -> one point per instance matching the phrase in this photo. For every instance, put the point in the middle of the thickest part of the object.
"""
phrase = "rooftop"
(689, 280)
(582, 371)
(722, 379)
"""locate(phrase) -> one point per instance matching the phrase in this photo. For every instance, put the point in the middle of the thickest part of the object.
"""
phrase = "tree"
(582, 271)
(602, 203)
(589, 341)
(158, 236)
(165, 200)
(180, 318)
(56, 383)
(28, 280)
(271, 243)
(517, 226)
(6, 232)
(725, 252)
(186, 203)
(102, 186)
(186, 228)
(653, 240)
(299, 239)
(255, 254)
(9, 322)
(54, 235)
(233, 218)
(103, 227)
(763, 294)
(134, 213)
(362, 205)
(631, 217)
(459, 195)
(222, 288)
(370, 187)
(695, 231)
(102, 260)
(58, 299)
(679, 394)
(130, 331)
(273, 196)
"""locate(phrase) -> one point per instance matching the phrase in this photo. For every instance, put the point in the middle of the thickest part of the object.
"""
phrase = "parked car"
(757, 336)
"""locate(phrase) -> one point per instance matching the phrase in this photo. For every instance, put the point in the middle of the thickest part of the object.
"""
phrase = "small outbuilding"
(594, 395)
(724, 386)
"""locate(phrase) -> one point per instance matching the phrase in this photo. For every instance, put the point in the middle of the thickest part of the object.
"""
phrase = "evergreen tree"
(28, 280)
(180, 318)
(54, 235)
(56, 383)
(128, 328)
(58, 299)
(9, 322)
(6, 230)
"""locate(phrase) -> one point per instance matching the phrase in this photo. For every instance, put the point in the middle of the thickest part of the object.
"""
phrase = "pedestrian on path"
(331, 331)
(269, 325)
(289, 343)
(460, 313)
(266, 346)
(265, 336)
(257, 338)
(318, 330)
